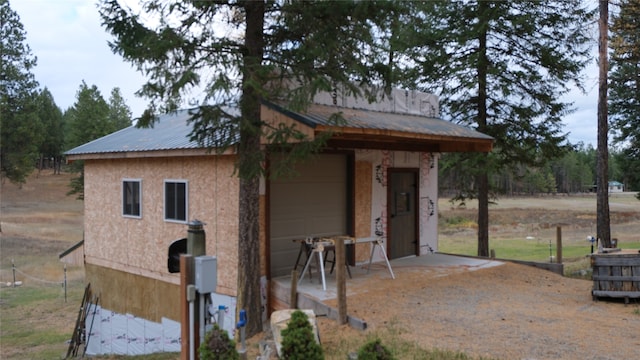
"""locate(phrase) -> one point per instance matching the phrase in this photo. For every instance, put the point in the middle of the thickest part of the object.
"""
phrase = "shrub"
(218, 346)
(374, 350)
(298, 340)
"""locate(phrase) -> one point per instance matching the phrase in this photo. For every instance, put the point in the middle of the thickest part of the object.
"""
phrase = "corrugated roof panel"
(170, 132)
(369, 119)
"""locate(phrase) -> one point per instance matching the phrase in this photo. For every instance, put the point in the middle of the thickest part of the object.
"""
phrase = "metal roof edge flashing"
(294, 115)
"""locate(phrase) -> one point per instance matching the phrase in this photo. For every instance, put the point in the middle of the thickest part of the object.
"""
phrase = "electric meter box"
(206, 274)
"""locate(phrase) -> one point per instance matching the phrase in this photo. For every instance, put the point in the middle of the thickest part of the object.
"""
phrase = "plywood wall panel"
(363, 174)
(143, 243)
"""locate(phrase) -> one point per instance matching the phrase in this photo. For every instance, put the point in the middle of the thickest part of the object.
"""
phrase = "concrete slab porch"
(312, 296)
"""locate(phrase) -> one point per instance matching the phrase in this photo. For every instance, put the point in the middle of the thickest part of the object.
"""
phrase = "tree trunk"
(482, 181)
(602, 168)
(249, 152)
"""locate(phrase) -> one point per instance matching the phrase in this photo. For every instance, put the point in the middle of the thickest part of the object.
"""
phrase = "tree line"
(35, 132)
(572, 173)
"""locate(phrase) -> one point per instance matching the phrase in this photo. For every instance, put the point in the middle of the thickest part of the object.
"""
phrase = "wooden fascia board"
(390, 139)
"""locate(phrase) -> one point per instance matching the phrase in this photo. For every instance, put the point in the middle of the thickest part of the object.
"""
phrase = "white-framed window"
(132, 198)
(176, 200)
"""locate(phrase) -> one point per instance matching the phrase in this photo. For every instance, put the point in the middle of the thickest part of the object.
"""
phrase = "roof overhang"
(367, 129)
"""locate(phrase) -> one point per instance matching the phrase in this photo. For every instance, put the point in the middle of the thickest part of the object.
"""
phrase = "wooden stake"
(293, 299)
(341, 281)
(559, 245)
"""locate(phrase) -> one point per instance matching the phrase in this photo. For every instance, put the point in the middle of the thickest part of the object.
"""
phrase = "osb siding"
(363, 180)
(141, 245)
(126, 293)
(275, 118)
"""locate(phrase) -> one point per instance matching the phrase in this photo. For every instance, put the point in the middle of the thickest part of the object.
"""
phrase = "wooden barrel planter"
(616, 275)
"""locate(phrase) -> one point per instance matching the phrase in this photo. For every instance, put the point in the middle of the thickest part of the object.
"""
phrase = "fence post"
(13, 268)
(340, 259)
(65, 283)
(559, 244)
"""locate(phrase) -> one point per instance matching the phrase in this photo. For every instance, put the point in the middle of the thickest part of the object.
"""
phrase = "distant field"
(525, 228)
(38, 222)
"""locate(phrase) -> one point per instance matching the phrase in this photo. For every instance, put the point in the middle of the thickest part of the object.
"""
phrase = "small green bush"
(298, 340)
(374, 350)
(218, 346)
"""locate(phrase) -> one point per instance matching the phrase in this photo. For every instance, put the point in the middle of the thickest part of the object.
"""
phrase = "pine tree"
(298, 340)
(89, 118)
(119, 111)
(500, 67)
(21, 133)
(624, 85)
(53, 130)
(603, 222)
(238, 54)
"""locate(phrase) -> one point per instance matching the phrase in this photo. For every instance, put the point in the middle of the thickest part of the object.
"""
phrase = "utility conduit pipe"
(191, 297)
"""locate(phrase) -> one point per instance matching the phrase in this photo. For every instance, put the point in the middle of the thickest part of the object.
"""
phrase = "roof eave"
(147, 154)
(396, 140)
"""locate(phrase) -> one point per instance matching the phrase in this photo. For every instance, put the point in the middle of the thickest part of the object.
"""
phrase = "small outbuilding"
(377, 177)
(616, 187)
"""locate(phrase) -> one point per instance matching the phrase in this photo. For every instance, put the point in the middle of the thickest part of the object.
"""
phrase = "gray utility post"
(196, 241)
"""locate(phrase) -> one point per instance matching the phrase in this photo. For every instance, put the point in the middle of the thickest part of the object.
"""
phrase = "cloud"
(71, 46)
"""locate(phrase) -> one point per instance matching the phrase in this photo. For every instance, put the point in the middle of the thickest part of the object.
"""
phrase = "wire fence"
(18, 271)
(17, 283)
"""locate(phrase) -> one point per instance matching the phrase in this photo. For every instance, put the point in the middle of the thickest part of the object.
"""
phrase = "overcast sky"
(71, 46)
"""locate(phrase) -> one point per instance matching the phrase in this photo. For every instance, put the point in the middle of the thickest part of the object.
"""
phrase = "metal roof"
(172, 131)
(316, 115)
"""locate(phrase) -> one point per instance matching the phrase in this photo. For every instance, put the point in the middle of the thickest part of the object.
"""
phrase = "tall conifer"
(234, 55)
(502, 68)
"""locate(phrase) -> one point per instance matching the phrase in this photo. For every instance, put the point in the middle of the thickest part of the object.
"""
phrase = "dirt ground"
(505, 312)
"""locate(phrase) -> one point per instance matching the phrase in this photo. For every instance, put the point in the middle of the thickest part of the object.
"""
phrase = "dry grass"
(537, 219)
(38, 222)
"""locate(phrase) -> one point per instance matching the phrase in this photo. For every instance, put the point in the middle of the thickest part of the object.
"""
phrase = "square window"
(175, 200)
(131, 198)
(402, 202)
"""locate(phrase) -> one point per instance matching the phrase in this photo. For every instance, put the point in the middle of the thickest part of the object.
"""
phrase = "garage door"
(312, 204)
